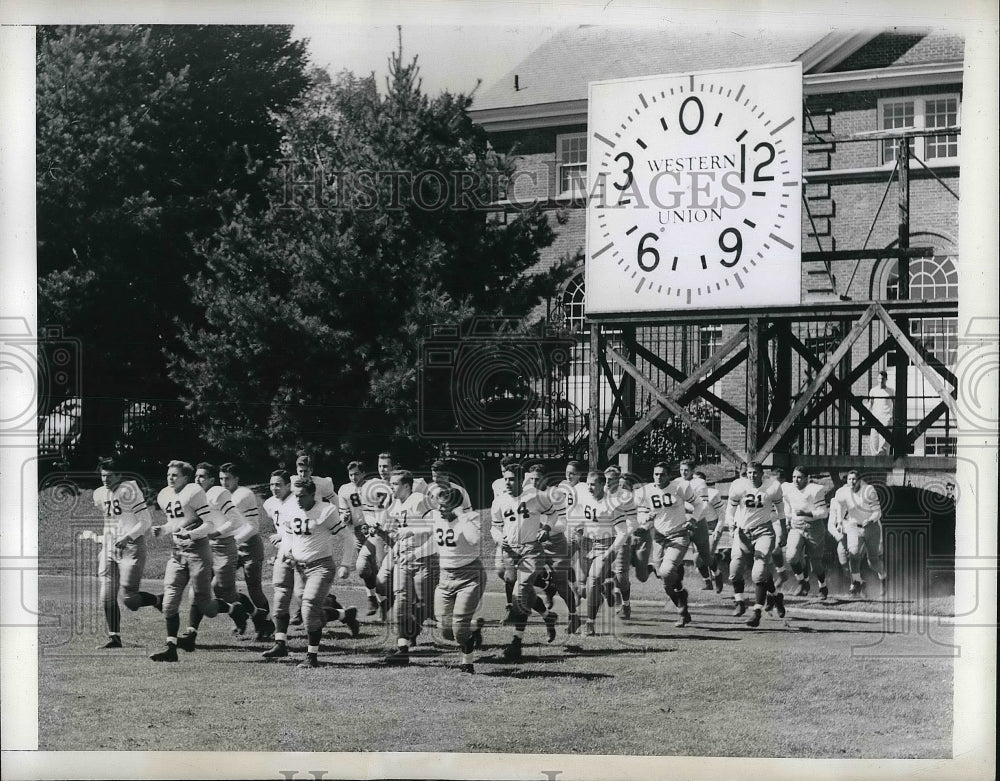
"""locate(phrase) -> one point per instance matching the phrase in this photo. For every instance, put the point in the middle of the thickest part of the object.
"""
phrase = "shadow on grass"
(514, 672)
(791, 627)
(678, 636)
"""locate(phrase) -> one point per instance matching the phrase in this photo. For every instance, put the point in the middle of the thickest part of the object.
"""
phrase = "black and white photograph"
(491, 390)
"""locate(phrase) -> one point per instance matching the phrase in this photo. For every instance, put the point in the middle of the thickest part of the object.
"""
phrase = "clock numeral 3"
(627, 171)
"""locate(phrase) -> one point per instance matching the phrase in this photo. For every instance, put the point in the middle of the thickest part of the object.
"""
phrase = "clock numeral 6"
(643, 250)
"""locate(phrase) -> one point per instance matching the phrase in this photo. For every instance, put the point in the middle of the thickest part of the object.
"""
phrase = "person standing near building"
(123, 546)
(880, 402)
(860, 514)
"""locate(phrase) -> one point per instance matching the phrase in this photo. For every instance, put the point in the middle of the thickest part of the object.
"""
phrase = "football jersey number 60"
(665, 501)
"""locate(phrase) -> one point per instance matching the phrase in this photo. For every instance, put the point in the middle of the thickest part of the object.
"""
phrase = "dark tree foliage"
(147, 138)
(314, 310)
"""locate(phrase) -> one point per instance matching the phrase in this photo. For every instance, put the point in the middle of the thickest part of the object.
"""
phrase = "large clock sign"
(694, 191)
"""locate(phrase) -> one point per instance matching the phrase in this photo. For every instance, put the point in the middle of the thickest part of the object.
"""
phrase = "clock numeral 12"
(757, 175)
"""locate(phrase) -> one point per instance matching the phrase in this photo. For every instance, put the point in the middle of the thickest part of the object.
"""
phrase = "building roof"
(561, 68)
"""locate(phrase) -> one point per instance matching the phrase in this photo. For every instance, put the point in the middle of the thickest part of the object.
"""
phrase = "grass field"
(819, 683)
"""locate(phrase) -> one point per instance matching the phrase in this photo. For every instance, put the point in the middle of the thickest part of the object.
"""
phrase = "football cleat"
(311, 660)
(588, 629)
(573, 624)
(277, 651)
(467, 668)
(114, 641)
(550, 595)
(741, 608)
(159, 602)
(265, 630)
(351, 620)
(550, 625)
(769, 603)
(824, 592)
(802, 590)
(685, 619)
(398, 658)
(168, 654)
(477, 635)
(239, 614)
(625, 612)
(720, 580)
(508, 616)
(709, 585)
(512, 653)
(754, 620)
(779, 604)
(186, 642)
(855, 589)
(373, 606)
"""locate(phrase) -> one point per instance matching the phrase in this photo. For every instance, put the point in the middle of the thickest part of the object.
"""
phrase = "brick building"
(853, 83)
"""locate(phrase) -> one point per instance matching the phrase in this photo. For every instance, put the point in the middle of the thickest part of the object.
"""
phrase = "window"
(937, 445)
(573, 306)
(709, 339)
(921, 113)
(571, 154)
(931, 278)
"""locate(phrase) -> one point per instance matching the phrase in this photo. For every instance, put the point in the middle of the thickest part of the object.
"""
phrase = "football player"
(719, 543)
(860, 513)
(456, 533)
(189, 521)
(410, 529)
(603, 529)
(306, 527)
(806, 510)
(249, 547)
(661, 507)
(699, 526)
(753, 511)
(123, 546)
(621, 495)
(557, 573)
(352, 512)
(228, 521)
(521, 522)
(284, 577)
(567, 495)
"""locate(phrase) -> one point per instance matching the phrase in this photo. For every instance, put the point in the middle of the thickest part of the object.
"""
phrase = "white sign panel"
(694, 191)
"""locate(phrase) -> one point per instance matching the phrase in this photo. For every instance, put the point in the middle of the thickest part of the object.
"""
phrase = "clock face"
(694, 191)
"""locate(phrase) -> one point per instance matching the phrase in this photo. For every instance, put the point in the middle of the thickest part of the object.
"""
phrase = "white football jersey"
(412, 514)
(351, 507)
(600, 520)
(753, 507)
(457, 540)
(124, 509)
(664, 507)
(858, 507)
(184, 510)
(249, 507)
(811, 498)
(227, 519)
(521, 517)
(309, 531)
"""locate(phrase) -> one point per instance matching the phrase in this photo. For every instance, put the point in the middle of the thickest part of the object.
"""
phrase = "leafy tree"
(147, 138)
(314, 310)
(671, 439)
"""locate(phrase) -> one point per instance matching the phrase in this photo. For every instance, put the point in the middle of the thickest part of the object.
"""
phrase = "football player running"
(521, 521)
(410, 529)
(189, 521)
(661, 506)
(699, 526)
(601, 522)
(249, 547)
(228, 521)
(860, 513)
(456, 533)
(622, 497)
(123, 546)
(755, 507)
(806, 510)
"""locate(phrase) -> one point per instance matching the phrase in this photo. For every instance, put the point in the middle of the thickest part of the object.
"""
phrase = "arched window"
(573, 302)
(930, 279)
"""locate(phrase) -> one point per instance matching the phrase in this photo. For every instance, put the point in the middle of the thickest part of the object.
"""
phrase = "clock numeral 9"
(736, 246)
(651, 251)
(701, 115)
(627, 171)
